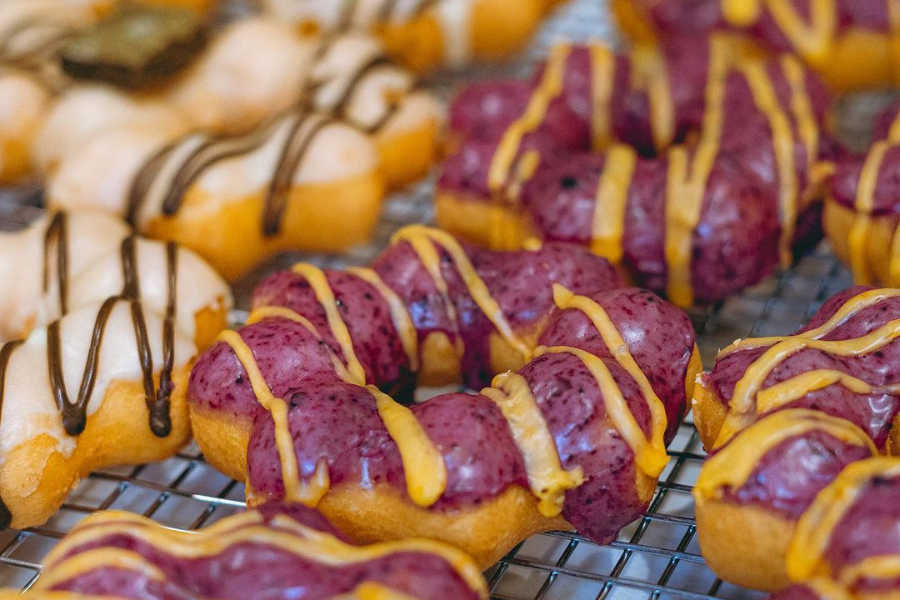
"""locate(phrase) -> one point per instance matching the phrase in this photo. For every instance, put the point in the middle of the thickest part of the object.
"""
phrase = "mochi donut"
(66, 260)
(299, 181)
(255, 69)
(842, 363)
(862, 212)
(570, 435)
(692, 167)
(111, 325)
(845, 543)
(275, 551)
(424, 34)
(852, 44)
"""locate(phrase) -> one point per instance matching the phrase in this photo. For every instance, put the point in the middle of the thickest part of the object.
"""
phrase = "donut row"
(703, 178)
(424, 34)
(102, 327)
(278, 550)
(572, 435)
(795, 426)
(853, 44)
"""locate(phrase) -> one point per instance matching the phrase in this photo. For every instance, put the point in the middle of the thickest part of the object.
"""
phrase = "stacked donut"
(793, 490)
(703, 178)
(277, 551)
(424, 34)
(853, 44)
(102, 327)
(571, 435)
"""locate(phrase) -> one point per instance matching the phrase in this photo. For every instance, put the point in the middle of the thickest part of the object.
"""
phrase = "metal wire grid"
(657, 557)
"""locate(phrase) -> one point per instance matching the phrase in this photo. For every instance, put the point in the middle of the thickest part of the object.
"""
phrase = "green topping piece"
(135, 47)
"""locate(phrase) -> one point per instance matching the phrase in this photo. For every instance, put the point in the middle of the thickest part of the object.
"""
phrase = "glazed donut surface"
(479, 471)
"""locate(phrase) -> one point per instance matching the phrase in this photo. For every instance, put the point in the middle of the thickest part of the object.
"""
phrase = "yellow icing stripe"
(797, 387)
(550, 87)
(423, 463)
(325, 296)
(686, 185)
(277, 407)
(828, 590)
(612, 197)
(783, 144)
(618, 348)
(374, 591)
(894, 262)
(422, 239)
(284, 533)
(403, 323)
(603, 74)
(741, 13)
(849, 309)
(98, 558)
(546, 477)
(649, 457)
(814, 40)
(733, 465)
(743, 401)
(816, 526)
(279, 312)
(865, 199)
(649, 73)
(802, 109)
(885, 567)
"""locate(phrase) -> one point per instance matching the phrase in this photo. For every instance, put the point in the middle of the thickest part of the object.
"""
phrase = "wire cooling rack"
(655, 557)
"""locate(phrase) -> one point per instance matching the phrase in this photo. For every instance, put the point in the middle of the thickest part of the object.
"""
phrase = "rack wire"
(656, 557)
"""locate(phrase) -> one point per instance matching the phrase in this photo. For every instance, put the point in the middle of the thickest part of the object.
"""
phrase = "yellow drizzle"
(99, 558)
(732, 467)
(802, 109)
(618, 348)
(783, 145)
(612, 197)
(603, 72)
(422, 239)
(650, 455)
(375, 591)
(816, 526)
(743, 405)
(748, 400)
(279, 312)
(686, 187)
(278, 408)
(403, 323)
(546, 477)
(649, 73)
(325, 296)
(426, 473)
(550, 87)
(849, 309)
(814, 41)
(248, 528)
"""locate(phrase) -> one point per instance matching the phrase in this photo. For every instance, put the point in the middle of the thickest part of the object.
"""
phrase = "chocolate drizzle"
(74, 413)
(179, 173)
(56, 241)
(386, 12)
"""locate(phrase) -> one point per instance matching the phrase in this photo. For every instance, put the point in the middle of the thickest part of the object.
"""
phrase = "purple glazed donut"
(572, 434)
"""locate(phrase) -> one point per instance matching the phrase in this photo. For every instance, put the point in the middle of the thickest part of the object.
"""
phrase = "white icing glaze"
(29, 409)
(92, 234)
(100, 173)
(199, 286)
(253, 70)
(24, 103)
(455, 17)
(87, 110)
(59, 12)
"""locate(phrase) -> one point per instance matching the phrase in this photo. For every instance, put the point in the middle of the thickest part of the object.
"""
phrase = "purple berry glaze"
(788, 477)
(257, 570)
(648, 326)
(874, 413)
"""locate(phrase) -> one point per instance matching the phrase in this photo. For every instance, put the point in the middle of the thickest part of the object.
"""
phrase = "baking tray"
(655, 557)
